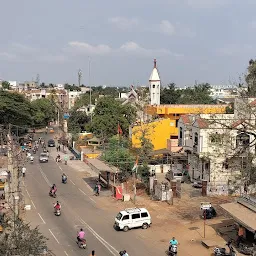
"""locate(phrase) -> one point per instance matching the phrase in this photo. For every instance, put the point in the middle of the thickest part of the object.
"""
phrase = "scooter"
(64, 180)
(173, 250)
(81, 244)
(57, 212)
(52, 194)
(31, 161)
(121, 253)
(218, 251)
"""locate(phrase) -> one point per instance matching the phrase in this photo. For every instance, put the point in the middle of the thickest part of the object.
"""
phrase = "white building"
(72, 97)
(154, 86)
(223, 91)
(217, 149)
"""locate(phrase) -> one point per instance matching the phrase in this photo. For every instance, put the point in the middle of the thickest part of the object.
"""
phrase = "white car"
(132, 218)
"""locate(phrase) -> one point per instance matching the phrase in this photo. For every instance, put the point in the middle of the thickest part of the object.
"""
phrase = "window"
(144, 214)
(181, 133)
(216, 138)
(126, 217)
(196, 139)
(153, 86)
(136, 216)
(176, 125)
(242, 139)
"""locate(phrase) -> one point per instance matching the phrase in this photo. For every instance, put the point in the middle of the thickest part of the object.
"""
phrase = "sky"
(192, 40)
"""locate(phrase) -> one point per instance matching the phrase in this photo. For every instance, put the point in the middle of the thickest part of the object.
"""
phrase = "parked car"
(43, 158)
(132, 218)
(51, 130)
(175, 175)
(51, 143)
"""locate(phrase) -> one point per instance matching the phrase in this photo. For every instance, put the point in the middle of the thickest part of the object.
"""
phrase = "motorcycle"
(81, 244)
(64, 180)
(52, 194)
(173, 250)
(121, 253)
(218, 251)
(57, 212)
(31, 161)
(34, 151)
(66, 162)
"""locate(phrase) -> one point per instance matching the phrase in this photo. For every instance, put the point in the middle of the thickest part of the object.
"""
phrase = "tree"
(71, 87)
(250, 79)
(107, 114)
(6, 85)
(171, 94)
(77, 121)
(118, 154)
(21, 239)
(43, 111)
(199, 94)
(84, 100)
(15, 109)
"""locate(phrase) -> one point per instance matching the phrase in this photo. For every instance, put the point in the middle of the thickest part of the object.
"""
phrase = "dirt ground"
(182, 220)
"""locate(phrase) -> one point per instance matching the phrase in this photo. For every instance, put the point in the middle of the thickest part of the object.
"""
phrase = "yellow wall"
(161, 130)
(158, 132)
(171, 111)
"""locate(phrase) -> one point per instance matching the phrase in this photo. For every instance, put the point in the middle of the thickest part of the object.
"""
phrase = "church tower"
(154, 86)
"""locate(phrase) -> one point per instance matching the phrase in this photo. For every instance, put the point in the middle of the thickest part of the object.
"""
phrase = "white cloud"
(100, 49)
(127, 48)
(6, 56)
(166, 27)
(123, 23)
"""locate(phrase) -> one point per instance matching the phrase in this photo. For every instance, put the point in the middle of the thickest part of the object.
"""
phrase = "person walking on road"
(93, 253)
(23, 170)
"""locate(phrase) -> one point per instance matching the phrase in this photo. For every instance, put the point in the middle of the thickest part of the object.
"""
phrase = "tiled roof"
(186, 119)
(202, 123)
(253, 103)
(237, 123)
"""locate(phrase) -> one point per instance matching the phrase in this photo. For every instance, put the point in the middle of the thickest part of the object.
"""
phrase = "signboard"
(66, 115)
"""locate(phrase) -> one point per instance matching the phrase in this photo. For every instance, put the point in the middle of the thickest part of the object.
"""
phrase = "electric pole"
(79, 77)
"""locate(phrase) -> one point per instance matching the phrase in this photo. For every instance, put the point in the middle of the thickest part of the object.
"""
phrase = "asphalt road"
(80, 209)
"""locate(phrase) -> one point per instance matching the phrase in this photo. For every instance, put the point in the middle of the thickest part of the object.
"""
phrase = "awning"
(241, 214)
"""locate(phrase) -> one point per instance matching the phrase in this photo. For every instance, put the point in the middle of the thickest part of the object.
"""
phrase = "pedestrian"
(96, 189)
(240, 235)
(93, 253)
(23, 170)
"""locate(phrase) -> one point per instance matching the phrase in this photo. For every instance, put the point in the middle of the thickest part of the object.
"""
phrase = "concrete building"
(217, 150)
(163, 132)
(155, 86)
(72, 97)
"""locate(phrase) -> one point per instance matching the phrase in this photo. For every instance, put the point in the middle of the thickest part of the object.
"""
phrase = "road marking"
(41, 217)
(33, 203)
(72, 182)
(54, 237)
(92, 200)
(44, 176)
(28, 193)
(109, 247)
(65, 253)
(82, 191)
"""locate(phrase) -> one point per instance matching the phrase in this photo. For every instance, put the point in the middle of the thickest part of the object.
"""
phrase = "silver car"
(43, 158)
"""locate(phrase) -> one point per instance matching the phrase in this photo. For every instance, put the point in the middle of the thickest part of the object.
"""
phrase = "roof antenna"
(154, 63)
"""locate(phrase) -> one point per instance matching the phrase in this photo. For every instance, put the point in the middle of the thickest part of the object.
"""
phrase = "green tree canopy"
(6, 85)
(107, 114)
(43, 111)
(77, 121)
(250, 78)
(15, 109)
(21, 240)
(199, 94)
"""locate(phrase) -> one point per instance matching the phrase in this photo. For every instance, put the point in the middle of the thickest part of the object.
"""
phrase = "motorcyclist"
(58, 158)
(57, 206)
(47, 153)
(53, 189)
(123, 253)
(80, 235)
(173, 241)
(31, 159)
(64, 177)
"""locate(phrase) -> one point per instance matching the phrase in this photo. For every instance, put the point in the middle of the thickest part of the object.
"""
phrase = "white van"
(132, 218)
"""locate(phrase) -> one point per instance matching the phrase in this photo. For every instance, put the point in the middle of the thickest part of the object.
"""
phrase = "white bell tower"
(154, 86)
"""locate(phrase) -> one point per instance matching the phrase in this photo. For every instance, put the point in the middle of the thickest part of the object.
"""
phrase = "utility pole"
(79, 77)
(89, 81)
(14, 176)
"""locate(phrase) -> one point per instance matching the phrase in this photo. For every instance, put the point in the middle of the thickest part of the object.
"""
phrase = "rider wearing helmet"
(81, 235)
(53, 189)
(173, 241)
